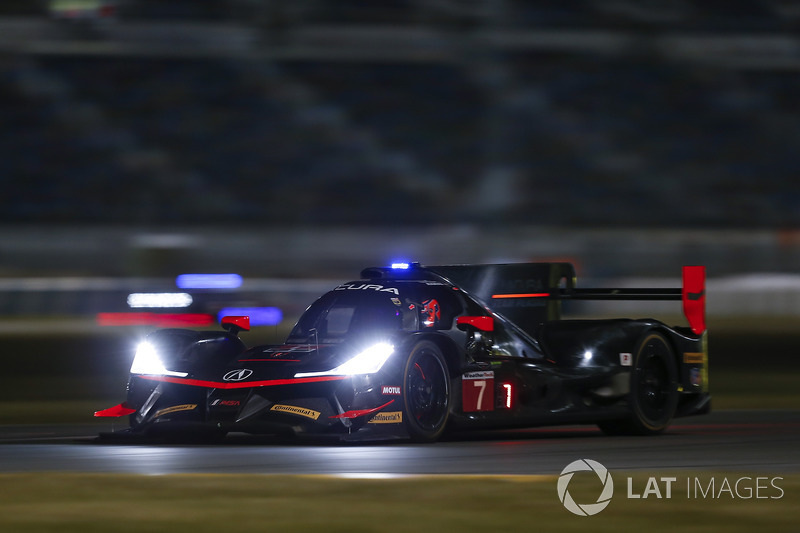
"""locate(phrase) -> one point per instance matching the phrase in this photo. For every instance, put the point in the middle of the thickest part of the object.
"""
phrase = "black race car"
(409, 351)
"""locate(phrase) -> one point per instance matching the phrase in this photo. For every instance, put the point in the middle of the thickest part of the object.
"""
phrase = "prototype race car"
(410, 351)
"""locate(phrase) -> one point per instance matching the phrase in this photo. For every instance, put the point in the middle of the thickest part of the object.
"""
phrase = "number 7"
(480, 383)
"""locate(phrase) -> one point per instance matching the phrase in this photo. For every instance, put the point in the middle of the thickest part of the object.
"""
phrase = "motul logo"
(392, 391)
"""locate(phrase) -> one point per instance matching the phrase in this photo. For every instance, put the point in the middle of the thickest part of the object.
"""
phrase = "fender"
(191, 349)
(453, 353)
(592, 343)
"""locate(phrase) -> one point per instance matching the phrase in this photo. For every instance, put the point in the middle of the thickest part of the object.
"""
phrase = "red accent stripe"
(285, 360)
(118, 410)
(420, 371)
(523, 295)
(361, 412)
(242, 384)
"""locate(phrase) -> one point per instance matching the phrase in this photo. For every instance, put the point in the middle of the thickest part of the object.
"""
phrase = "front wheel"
(426, 392)
(653, 396)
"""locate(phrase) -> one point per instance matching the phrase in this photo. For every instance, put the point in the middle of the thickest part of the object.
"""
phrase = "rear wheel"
(653, 396)
(426, 392)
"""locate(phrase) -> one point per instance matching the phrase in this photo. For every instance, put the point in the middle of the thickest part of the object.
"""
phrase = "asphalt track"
(737, 441)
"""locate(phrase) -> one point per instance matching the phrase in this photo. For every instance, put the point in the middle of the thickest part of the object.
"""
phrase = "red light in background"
(169, 320)
(523, 295)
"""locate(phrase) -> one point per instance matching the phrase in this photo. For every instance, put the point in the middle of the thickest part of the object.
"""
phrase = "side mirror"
(479, 338)
(482, 323)
(235, 324)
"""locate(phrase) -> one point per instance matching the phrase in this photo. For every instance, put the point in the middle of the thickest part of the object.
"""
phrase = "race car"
(411, 351)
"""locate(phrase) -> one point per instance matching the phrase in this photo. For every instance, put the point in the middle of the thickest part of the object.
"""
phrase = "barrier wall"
(79, 271)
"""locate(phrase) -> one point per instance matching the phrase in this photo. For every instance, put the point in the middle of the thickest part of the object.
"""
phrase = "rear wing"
(530, 293)
(692, 294)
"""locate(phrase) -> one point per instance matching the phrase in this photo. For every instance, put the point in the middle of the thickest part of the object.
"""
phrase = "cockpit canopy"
(363, 307)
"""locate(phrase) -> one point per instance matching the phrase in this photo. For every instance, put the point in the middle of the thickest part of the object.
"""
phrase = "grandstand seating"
(580, 137)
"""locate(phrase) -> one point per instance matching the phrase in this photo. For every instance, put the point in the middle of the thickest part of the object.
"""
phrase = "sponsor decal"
(695, 296)
(694, 358)
(397, 302)
(238, 375)
(625, 359)
(294, 410)
(366, 287)
(390, 390)
(484, 374)
(477, 391)
(226, 403)
(695, 377)
(391, 417)
(175, 409)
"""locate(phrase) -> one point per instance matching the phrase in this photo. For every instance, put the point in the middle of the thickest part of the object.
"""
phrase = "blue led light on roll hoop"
(401, 266)
(259, 316)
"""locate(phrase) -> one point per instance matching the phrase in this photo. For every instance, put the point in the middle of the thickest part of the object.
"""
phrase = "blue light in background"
(400, 266)
(159, 299)
(259, 316)
(209, 281)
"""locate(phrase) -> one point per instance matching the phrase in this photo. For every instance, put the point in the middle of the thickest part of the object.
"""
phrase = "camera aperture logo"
(585, 509)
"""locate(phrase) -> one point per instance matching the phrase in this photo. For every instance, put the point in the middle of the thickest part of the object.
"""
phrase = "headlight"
(367, 362)
(147, 361)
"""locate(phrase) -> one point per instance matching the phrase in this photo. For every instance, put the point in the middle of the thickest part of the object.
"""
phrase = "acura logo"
(238, 375)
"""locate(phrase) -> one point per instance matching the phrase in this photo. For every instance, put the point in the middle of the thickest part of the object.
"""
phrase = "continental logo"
(293, 410)
(390, 417)
(176, 408)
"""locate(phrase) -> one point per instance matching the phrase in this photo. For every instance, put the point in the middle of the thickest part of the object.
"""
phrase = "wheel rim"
(427, 391)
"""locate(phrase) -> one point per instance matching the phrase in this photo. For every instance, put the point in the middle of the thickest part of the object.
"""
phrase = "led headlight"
(367, 362)
(147, 361)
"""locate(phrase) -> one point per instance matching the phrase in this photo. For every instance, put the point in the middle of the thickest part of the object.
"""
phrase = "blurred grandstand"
(571, 113)
(501, 129)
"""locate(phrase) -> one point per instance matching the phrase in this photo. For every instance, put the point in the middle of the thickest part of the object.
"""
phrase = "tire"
(653, 396)
(426, 393)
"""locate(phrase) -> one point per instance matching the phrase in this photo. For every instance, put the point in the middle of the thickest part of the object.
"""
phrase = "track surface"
(754, 441)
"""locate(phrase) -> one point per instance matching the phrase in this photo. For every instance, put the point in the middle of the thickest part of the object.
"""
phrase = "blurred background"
(288, 144)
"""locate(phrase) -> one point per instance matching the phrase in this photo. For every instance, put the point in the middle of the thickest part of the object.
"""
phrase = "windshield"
(343, 313)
